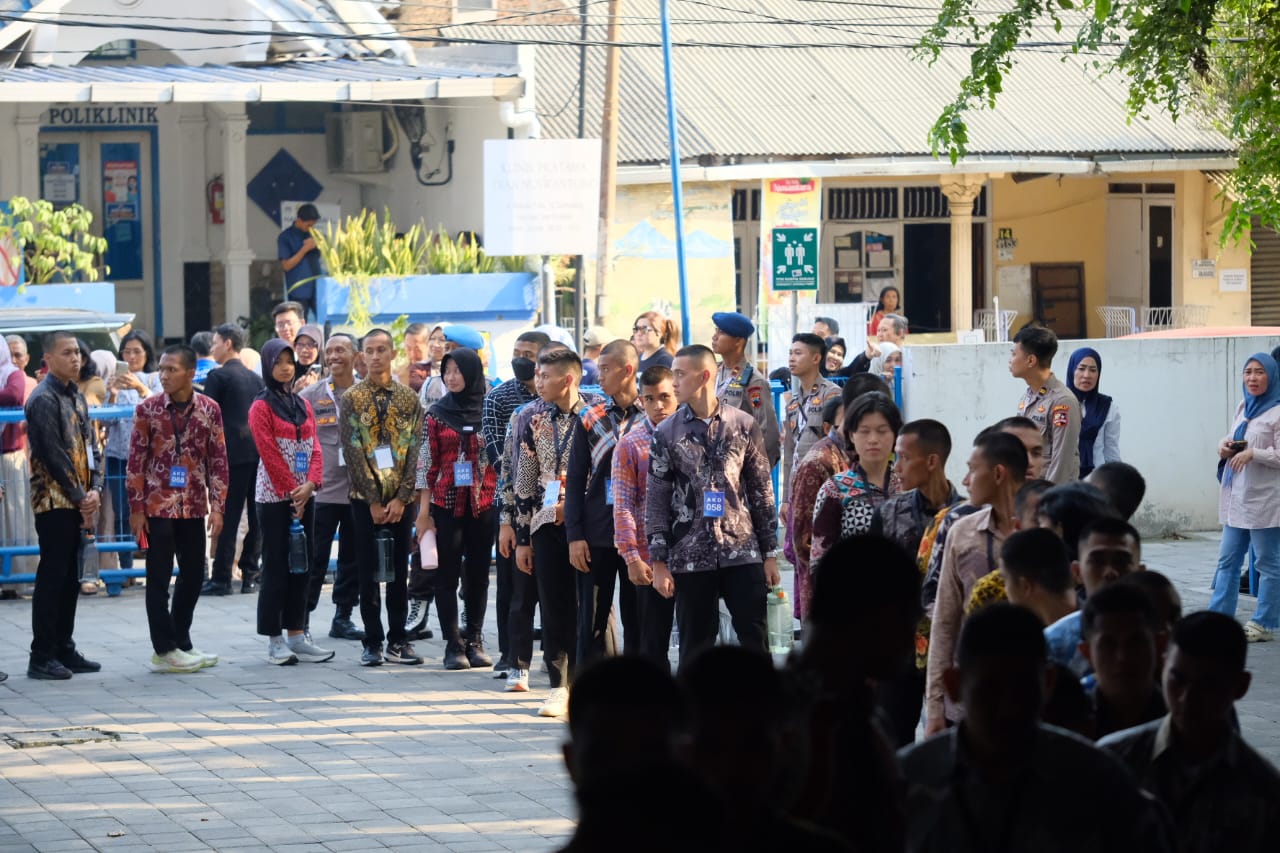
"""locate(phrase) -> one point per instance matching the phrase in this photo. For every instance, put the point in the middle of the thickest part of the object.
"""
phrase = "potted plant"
(54, 248)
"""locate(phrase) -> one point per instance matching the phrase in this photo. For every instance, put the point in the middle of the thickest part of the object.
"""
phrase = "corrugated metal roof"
(837, 80)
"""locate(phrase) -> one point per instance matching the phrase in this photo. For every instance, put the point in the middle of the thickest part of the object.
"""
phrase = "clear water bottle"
(781, 636)
(298, 564)
(88, 556)
(386, 545)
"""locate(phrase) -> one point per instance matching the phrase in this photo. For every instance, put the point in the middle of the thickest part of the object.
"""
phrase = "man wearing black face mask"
(499, 404)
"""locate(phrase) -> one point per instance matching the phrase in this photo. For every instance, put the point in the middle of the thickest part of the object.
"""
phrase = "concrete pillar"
(237, 256)
(961, 191)
(29, 151)
(194, 173)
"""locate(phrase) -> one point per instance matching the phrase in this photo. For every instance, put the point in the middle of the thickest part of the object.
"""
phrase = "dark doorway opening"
(926, 276)
(197, 312)
(1160, 256)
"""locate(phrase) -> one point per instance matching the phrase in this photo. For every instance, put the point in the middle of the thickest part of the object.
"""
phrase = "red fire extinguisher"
(216, 197)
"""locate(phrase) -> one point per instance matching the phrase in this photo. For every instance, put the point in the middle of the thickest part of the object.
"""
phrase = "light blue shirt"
(1063, 639)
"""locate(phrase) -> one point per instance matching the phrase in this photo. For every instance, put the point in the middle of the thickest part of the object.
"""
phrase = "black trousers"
(465, 546)
(698, 597)
(397, 589)
(57, 587)
(334, 519)
(504, 567)
(656, 615)
(240, 484)
(524, 602)
(901, 700)
(558, 597)
(595, 600)
(167, 538)
(282, 599)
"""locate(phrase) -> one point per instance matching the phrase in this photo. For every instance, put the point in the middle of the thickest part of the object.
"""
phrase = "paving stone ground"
(328, 757)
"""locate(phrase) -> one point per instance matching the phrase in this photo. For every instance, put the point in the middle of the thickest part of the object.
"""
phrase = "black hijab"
(463, 409)
(287, 406)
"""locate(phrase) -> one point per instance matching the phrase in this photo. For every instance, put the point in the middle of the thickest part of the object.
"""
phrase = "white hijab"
(877, 364)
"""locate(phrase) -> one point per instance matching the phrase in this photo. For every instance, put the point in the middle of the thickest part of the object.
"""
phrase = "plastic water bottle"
(88, 556)
(386, 545)
(298, 563)
(781, 636)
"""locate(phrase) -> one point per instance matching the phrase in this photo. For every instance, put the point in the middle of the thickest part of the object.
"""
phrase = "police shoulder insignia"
(756, 397)
(1060, 415)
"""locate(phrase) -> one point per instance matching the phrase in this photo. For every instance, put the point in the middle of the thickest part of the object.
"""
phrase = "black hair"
(1000, 448)
(371, 333)
(88, 369)
(812, 341)
(1123, 485)
(836, 341)
(1164, 595)
(697, 352)
(1039, 556)
(610, 684)
(880, 300)
(415, 329)
(1039, 342)
(1001, 630)
(933, 436)
(185, 353)
(202, 343)
(655, 375)
(144, 340)
(623, 350)
(563, 359)
(1208, 634)
(1105, 525)
(1015, 422)
(713, 677)
(870, 404)
(830, 409)
(867, 573)
(1067, 706)
(863, 383)
(287, 306)
(50, 341)
(233, 334)
(1117, 598)
(1072, 506)
(535, 337)
(355, 345)
(1029, 490)
(830, 322)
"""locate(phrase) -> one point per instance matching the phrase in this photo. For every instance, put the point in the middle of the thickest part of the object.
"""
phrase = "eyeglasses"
(643, 330)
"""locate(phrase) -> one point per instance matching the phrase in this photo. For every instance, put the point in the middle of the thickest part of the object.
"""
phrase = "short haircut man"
(809, 339)
(561, 359)
(1038, 341)
(1000, 448)
(201, 342)
(1069, 508)
(833, 327)
(1122, 484)
(863, 383)
(932, 436)
(898, 323)
(232, 334)
(184, 353)
(540, 339)
(1027, 502)
(290, 307)
(1039, 557)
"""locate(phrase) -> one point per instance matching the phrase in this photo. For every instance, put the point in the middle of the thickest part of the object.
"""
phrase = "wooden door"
(1058, 291)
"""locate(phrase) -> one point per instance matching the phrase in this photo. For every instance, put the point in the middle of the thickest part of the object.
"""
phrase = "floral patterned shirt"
(372, 417)
(844, 508)
(279, 443)
(542, 457)
(825, 459)
(506, 494)
(166, 436)
(691, 459)
(442, 447)
(630, 472)
(65, 458)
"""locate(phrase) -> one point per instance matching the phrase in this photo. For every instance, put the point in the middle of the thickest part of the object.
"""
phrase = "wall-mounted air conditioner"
(353, 142)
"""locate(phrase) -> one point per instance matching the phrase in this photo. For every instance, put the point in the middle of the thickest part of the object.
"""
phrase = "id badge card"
(551, 496)
(177, 476)
(462, 474)
(88, 453)
(301, 461)
(382, 458)
(342, 460)
(713, 504)
(608, 491)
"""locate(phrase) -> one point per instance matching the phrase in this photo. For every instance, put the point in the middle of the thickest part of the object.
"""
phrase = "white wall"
(1177, 398)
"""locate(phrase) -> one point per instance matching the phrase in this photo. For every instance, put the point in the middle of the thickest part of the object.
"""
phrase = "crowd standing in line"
(1016, 624)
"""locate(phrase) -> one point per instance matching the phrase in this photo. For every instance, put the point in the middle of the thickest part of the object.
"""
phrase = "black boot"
(455, 657)
(475, 652)
(343, 628)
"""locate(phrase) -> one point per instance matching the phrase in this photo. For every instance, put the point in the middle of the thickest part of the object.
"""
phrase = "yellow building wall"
(1200, 233)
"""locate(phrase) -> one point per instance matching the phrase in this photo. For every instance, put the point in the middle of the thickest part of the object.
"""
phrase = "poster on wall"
(541, 196)
(122, 209)
(60, 173)
(787, 203)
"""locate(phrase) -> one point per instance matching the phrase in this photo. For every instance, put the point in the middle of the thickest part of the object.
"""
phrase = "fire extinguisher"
(216, 197)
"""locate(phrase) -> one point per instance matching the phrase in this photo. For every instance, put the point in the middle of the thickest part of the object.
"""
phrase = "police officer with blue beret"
(738, 383)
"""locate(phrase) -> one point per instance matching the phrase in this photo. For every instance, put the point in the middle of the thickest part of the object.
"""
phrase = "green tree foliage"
(55, 244)
(1220, 58)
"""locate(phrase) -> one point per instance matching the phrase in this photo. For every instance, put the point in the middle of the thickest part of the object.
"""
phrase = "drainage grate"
(58, 737)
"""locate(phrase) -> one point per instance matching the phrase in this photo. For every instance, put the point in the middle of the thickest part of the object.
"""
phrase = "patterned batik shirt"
(844, 508)
(167, 436)
(371, 417)
(66, 461)
(279, 442)
(495, 417)
(441, 449)
(630, 472)
(826, 459)
(542, 457)
(690, 457)
(506, 494)
(928, 541)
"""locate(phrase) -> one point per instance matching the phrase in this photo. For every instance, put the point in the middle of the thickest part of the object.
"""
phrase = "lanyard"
(186, 421)
(561, 447)
(329, 386)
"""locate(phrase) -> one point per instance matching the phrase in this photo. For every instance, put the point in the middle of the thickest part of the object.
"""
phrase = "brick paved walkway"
(325, 757)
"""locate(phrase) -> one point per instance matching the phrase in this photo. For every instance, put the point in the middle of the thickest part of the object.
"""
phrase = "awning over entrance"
(343, 80)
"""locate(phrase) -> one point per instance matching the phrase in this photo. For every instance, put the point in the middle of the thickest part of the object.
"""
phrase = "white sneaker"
(301, 646)
(206, 658)
(417, 616)
(557, 704)
(175, 661)
(518, 680)
(279, 653)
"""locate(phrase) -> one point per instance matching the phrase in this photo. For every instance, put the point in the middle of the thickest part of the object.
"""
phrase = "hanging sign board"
(541, 196)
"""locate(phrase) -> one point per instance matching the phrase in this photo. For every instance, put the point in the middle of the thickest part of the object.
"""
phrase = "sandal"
(89, 588)
(1255, 633)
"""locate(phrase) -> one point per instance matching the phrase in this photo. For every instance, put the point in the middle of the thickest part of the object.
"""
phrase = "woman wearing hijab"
(457, 485)
(883, 364)
(306, 345)
(1249, 501)
(1099, 414)
(289, 473)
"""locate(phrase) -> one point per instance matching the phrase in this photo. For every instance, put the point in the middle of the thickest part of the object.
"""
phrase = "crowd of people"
(1016, 623)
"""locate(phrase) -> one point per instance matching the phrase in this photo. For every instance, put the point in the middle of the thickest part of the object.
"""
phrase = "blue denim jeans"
(1236, 543)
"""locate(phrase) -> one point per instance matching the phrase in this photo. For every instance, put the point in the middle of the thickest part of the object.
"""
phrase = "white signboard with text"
(541, 196)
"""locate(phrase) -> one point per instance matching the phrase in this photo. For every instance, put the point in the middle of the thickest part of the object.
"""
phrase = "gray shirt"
(324, 398)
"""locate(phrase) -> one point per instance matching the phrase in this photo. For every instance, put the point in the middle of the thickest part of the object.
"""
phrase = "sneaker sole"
(289, 661)
(544, 712)
(405, 662)
(175, 670)
(371, 663)
(517, 688)
(314, 658)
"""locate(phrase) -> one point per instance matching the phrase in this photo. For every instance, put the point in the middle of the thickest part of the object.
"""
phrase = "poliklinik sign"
(100, 116)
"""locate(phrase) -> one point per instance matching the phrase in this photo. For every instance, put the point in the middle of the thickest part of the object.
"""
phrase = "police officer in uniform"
(740, 385)
(1048, 402)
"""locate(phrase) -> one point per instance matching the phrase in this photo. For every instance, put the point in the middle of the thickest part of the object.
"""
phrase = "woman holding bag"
(289, 471)
(1249, 500)
(457, 486)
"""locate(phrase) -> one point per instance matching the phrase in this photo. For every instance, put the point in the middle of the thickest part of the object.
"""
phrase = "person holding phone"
(306, 345)
(1249, 499)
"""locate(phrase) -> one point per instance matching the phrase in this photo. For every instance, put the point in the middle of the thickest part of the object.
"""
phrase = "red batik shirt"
(165, 435)
(440, 449)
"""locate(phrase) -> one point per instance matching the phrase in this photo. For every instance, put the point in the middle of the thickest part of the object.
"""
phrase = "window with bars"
(849, 203)
(931, 203)
(746, 205)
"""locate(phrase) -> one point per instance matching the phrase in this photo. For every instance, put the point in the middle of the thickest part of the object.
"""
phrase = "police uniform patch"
(1060, 414)
(756, 397)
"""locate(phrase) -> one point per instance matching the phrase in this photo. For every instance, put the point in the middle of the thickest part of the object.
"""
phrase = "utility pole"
(608, 159)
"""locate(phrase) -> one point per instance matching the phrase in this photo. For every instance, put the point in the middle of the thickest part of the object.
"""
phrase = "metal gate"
(1264, 277)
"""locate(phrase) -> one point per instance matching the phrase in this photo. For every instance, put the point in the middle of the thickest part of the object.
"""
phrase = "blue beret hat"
(733, 323)
(464, 336)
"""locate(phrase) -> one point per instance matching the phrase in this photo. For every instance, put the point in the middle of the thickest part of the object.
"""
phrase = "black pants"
(57, 587)
(656, 615)
(240, 484)
(282, 600)
(901, 700)
(698, 597)
(558, 597)
(524, 602)
(334, 519)
(167, 538)
(397, 589)
(503, 569)
(595, 600)
(465, 546)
